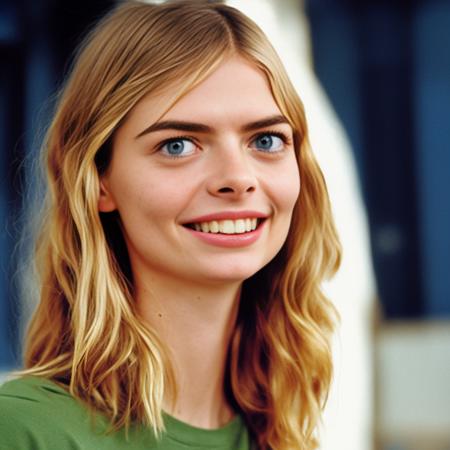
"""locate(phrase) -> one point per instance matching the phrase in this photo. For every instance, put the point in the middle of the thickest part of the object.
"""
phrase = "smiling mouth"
(239, 226)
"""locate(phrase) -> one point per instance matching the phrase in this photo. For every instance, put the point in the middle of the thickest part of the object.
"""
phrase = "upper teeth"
(227, 226)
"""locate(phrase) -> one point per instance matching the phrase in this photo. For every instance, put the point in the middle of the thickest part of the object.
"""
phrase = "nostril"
(226, 189)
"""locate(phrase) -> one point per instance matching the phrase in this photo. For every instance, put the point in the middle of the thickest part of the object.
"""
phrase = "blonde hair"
(85, 332)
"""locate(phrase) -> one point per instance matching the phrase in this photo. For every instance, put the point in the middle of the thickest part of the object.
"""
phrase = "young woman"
(180, 256)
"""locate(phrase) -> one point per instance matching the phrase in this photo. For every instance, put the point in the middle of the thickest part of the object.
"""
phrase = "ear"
(106, 201)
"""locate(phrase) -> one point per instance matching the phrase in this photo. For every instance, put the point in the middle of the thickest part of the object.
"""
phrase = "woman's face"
(189, 186)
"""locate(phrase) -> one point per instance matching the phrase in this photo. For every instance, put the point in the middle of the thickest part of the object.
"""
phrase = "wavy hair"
(85, 332)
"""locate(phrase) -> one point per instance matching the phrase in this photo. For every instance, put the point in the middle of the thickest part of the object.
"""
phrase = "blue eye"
(178, 147)
(269, 142)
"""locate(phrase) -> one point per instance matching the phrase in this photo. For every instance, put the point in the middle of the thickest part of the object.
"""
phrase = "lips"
(229, 240)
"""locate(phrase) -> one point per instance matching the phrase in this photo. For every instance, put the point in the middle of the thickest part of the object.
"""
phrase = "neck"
(196, 324)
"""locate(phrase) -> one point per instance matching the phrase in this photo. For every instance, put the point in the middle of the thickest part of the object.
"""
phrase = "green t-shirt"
(37, 414)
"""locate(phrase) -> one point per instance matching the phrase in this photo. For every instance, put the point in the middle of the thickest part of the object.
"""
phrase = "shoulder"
(39, 414)
(36, 413)
(32, 392)
(30, 388)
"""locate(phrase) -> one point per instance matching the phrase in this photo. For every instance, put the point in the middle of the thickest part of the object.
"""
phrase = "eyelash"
(279, 134)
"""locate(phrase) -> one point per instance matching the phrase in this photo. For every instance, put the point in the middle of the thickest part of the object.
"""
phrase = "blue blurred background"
(37, 39)
(386, 67)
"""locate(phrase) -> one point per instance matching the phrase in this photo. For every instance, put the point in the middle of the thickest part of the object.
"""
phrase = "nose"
(232, 175)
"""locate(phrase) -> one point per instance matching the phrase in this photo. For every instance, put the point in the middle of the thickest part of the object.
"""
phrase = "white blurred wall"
(348, 423)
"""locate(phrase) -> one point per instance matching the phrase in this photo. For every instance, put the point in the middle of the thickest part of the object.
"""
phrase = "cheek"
(149, 201)
(146, 206)
(284, 192)
(287, 188)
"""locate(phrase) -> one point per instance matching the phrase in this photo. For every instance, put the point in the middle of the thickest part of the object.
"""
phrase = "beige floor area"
(412, 373)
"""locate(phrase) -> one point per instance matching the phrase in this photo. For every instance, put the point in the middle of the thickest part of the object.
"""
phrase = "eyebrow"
(202, 128)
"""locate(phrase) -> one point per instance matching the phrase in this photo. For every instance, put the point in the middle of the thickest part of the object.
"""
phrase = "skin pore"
(225, 148)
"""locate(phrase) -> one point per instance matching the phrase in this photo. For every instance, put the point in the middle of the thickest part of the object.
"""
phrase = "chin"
(233, 274)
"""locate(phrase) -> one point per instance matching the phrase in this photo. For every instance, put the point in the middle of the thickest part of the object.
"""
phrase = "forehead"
(235, 92)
